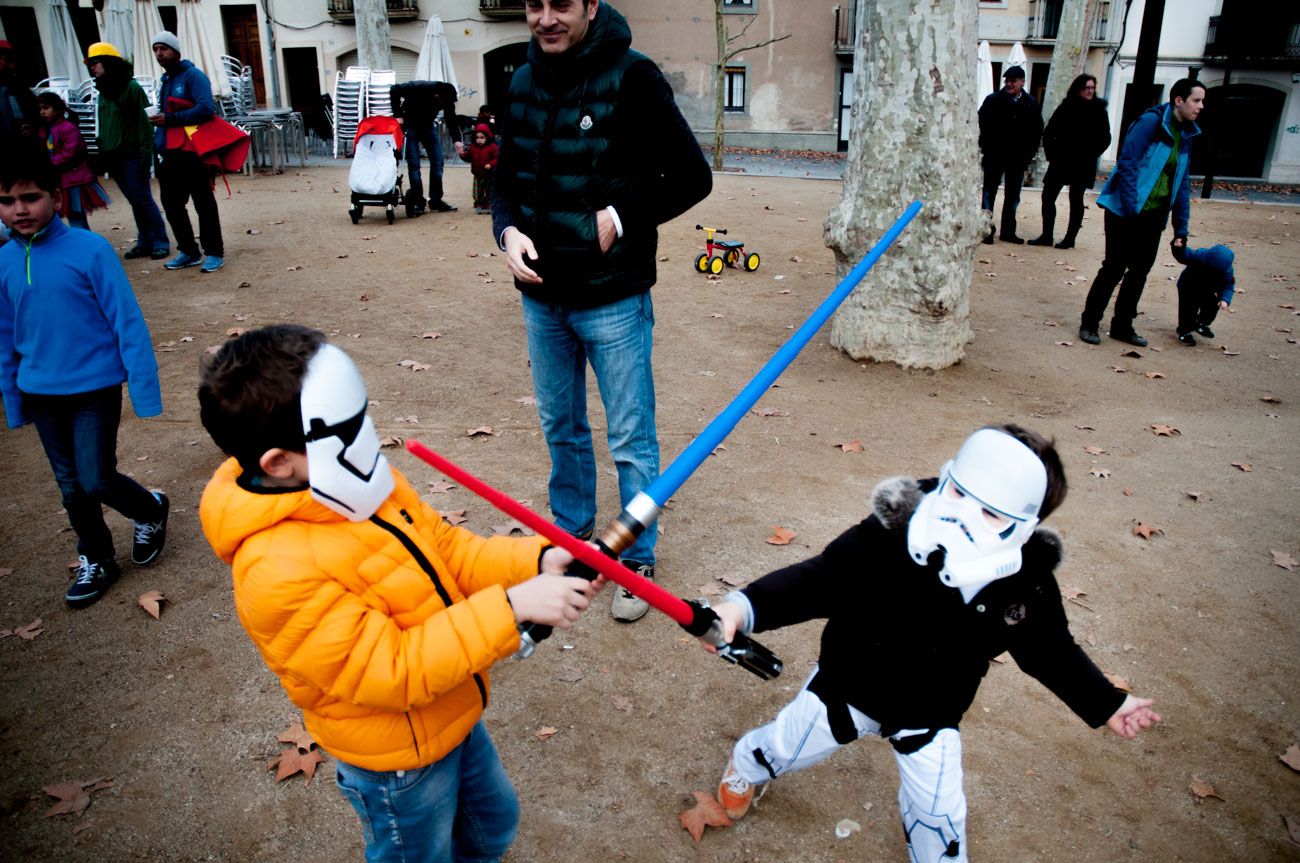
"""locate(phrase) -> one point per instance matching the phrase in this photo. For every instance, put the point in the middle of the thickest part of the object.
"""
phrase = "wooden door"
(242, 41)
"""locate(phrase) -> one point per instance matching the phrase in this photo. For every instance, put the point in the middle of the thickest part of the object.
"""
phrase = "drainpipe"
(275, 72)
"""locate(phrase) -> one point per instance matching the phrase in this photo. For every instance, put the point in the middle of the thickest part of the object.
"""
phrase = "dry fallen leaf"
(1120, 683)
(1243, 466)
(389, 442)
(1292, 828)
(623, 702)
(1154, 375)
(292, 761)
(235, 332)
(1145, 530)
(1094, 450)
(854, 445)
(1066, 344)
(1134, 354)
(1273, 400)
(1202, 789)
(706, 812)
(29, 631)
(481, 430)
(1291, 758)
(780, 536)
(298, 736)
(1100, 472)
(6, 570)
(430, 335)
(439, 486)
(74, 796)
(455, 517)
(569, 675)
(1285, 561)
(546, 732)
(1163, 430)
(510, 527)
(526, 400)
(151, 601)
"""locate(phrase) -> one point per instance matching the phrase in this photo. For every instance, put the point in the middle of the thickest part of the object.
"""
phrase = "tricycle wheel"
(751, 262)
(355, 213)
(702, 263)
(733, 258)
(715, 265)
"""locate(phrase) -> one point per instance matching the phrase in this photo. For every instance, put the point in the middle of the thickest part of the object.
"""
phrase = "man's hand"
(159, 119)
(556, 600)
(1180, 242)
(1133, 717)
(606, 233)
(517, 245)
(732, 617)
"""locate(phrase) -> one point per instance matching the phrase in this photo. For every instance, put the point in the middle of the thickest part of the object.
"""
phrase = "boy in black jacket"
(944, 575)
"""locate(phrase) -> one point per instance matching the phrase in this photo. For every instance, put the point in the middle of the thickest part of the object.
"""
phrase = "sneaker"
(1044, 240)
(1011, 238)
(441, 207)
(627, 606)
(1205, 330)
(1131, 337)
(182, 261)
(988, 240)
(212, 263)
(137, 252)
(1089, 335)
(151, 536)
(734, 792)
(1187, 339)
(93, 580)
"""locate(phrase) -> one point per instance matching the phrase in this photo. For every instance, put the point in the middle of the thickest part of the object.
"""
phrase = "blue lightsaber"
(644, 508)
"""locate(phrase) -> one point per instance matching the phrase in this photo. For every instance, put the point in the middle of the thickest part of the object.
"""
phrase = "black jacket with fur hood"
(905, 649)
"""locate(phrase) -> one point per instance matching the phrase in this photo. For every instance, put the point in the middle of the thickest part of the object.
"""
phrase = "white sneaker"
(627, 606)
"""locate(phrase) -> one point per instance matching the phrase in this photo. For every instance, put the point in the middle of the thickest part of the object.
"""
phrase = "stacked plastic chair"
(349, 106)
(378, 98)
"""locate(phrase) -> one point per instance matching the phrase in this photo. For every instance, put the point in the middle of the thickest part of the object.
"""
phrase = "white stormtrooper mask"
(348, 473)
(983, 511)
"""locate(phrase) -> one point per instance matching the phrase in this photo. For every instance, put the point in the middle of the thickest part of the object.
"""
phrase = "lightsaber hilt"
(741, 650)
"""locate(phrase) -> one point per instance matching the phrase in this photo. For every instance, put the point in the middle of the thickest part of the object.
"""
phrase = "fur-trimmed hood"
(894, 500)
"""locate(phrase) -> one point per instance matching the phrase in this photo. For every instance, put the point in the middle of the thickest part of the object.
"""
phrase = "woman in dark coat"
(1076, 136)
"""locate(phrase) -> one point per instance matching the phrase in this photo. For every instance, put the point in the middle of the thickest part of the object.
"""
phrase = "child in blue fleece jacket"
(71, 333)
(1206, 286)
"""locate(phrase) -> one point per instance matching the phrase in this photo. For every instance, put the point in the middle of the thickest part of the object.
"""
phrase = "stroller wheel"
(355, 213)
(392, 214)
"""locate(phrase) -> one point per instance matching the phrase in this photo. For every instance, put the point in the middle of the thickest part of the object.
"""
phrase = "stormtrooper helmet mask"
(348, 473)
(983, 511)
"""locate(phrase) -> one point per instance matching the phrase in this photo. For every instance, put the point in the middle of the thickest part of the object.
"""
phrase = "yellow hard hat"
(103, 49)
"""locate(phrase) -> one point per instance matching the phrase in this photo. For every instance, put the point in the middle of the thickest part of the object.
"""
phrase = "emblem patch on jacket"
(1014, 614)
(585, 123)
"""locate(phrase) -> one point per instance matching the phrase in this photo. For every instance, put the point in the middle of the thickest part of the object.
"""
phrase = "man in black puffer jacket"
(1011, 124)
(594, 157)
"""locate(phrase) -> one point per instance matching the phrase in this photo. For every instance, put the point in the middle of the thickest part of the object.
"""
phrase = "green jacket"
(124, 129)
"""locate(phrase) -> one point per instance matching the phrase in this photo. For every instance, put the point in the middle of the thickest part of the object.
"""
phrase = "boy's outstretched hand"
(1133, 717)
(732, 616)
(551, 597)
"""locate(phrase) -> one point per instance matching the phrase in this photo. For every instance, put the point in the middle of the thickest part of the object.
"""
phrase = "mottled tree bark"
(913, 136)
(373, 48)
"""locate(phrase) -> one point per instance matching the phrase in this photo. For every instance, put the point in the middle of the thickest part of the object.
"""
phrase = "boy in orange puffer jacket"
(379, 618)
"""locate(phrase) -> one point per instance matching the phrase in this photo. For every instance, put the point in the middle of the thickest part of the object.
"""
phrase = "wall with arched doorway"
(1240, 126)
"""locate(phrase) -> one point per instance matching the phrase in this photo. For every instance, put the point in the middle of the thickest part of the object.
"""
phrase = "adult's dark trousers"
(1197, 306)
(1052, 185)
(79, 434)
(183, 178)
(132, 177)
(418, 135)
(993, 177)
(1131, 246)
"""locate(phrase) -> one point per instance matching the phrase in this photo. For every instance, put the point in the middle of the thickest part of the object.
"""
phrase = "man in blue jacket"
(182, 176)
(1151, 179)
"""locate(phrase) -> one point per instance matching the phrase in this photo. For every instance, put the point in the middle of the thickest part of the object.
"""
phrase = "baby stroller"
(373, 177)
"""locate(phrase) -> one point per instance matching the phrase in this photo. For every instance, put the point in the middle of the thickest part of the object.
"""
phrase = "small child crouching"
(945, 574)
(1206, 286)
(380, 618)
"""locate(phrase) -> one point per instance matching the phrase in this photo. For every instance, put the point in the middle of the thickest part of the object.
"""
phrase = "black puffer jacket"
(590, 128)
(1010, 129)
(1076, 136)
(905, 649)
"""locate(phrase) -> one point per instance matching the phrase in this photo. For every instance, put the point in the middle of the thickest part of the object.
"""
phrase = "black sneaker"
(137, 252)
(1130, 337)
(627, 606)
(1011, 238)
(441, 207)
(1044, 240)
(1067, 243)
(1089, 335)
(151, 536)
(1205, 330)
(1187, 339)
(93, 580)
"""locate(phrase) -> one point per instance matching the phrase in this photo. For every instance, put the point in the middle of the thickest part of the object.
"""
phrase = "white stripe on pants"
(930, 797)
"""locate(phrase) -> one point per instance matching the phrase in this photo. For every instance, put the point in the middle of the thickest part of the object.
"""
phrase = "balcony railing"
(846, 26)
(1264, 38)
(398, 10)
(1045, 21)
(501, 8)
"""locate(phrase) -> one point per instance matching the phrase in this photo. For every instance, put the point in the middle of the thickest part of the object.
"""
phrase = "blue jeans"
(430, 138)
(79, 433)
(132, 178)
(460, 808)
(616, 340)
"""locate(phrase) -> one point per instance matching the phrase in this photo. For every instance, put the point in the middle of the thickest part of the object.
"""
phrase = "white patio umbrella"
(118, 26)
(140, 52)
(63, 52)
(984, 72)
(1016, 58)
(198, 47)
(434, 63)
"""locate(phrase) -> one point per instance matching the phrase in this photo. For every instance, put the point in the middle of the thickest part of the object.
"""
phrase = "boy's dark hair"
(249, 394)
(27, 159)
(1183, 88)
(1045, 449)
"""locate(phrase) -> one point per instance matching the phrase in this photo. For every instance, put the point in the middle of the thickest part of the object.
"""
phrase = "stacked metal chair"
(349, 106)
(378, 98)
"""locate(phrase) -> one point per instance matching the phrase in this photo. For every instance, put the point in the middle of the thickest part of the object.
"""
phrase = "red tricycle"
(723, 252)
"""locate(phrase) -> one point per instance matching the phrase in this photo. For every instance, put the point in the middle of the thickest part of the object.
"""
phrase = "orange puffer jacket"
(381, 631)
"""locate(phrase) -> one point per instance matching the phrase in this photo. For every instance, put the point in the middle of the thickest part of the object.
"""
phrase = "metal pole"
(1144, 72)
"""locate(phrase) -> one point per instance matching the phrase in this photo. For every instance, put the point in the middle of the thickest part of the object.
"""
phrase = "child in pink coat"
(81, 191)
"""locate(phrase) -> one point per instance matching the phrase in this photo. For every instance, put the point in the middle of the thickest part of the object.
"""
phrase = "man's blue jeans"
(132, 178)
(430, 138)
(616, 340)
(459, 808)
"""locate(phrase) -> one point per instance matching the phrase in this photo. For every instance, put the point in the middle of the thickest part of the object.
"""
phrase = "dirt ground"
(183, 716)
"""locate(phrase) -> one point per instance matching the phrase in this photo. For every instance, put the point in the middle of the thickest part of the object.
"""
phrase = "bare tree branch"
(743, 30)
(741, 50)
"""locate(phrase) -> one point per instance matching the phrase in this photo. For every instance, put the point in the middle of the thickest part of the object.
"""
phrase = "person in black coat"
(1076, 136)
(1010, 126)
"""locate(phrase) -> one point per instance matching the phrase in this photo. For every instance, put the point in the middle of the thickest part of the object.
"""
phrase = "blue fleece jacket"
(193, 86)
(70, 323)
(1146, 150)
(1210, 270)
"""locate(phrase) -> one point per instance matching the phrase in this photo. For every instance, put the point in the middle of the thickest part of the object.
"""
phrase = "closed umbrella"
(1016, 57)
(984, 73)
(198, 47)
(63, 52)
(119, 26)
(434, 63)
(140, 50)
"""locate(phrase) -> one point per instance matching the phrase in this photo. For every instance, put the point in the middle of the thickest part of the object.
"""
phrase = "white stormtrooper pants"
(930, 796)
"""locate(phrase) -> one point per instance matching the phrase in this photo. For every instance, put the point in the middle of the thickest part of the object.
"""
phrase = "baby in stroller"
(373, 177)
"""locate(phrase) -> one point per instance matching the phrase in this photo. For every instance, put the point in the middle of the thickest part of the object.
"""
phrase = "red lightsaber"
(695, 617)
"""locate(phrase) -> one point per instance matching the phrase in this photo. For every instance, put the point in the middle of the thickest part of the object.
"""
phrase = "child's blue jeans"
(460, 808)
